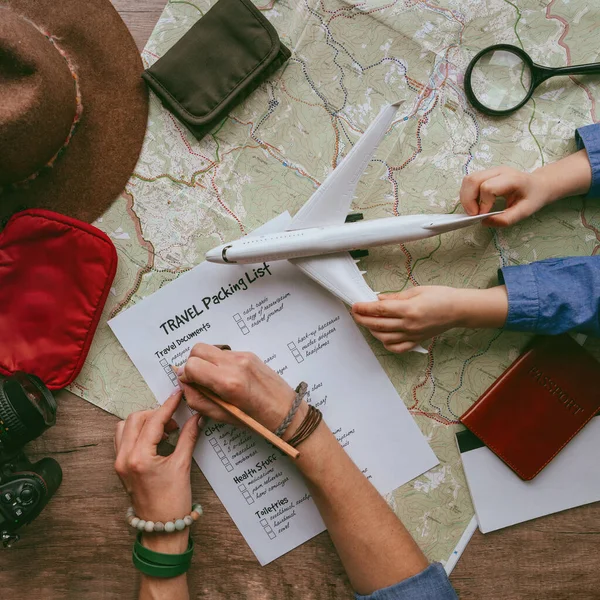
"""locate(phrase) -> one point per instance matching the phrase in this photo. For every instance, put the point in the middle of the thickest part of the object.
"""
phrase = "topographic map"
(273, 151)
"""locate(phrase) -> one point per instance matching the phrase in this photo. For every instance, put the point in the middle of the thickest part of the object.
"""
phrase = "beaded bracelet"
(169, 526)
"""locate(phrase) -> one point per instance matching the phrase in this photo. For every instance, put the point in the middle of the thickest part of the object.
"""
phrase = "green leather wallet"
(222, 59)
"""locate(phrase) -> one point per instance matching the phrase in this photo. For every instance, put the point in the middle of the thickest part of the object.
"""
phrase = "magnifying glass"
(500, 79)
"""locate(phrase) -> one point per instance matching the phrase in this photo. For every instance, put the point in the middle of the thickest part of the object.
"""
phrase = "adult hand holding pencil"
(238, 388)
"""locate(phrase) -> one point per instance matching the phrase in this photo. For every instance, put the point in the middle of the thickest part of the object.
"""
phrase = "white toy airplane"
(318, 240)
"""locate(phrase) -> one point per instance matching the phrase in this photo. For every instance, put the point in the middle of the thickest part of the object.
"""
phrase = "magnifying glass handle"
(543, 73)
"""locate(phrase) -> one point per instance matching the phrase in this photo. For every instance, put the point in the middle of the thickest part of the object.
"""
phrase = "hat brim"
(93, 169)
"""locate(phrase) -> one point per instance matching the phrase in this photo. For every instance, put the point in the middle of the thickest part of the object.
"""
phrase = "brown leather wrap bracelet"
(309, 424)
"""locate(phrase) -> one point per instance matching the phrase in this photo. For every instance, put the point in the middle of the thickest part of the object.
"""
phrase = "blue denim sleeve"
(430, 584)
(553, 296)
(588, 137)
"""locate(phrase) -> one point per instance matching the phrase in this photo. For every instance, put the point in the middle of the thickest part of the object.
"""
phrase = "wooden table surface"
(80, 548)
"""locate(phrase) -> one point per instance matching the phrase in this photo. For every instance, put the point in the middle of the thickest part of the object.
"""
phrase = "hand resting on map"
(400, 321)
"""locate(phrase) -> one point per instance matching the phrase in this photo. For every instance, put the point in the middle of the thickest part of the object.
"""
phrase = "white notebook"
(501, 498)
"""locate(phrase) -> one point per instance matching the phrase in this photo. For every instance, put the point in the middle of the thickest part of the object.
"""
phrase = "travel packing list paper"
(303, 333)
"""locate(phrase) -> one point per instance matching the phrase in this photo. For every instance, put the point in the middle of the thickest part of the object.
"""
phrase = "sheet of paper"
(303, 333)
(501, 498)
(461, 546)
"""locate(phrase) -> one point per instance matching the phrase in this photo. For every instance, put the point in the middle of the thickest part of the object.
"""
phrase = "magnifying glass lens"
(500, 79)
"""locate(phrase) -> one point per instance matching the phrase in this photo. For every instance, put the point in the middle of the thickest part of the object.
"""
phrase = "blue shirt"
(548, 297)
(430, 584)
(555, 295)
(588, 137)
(560, 294)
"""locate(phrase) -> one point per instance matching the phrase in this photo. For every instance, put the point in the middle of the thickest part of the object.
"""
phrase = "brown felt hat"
(73, 106)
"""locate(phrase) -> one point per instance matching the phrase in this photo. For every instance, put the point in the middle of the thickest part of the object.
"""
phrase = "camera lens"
(27, 408)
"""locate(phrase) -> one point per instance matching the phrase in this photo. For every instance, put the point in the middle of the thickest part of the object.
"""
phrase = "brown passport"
(538, 404)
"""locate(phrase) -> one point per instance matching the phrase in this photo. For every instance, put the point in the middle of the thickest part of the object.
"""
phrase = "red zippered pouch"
(55, 276)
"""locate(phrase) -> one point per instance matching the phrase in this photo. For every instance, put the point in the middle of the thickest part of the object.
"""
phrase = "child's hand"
(525, 193)
(403, 320)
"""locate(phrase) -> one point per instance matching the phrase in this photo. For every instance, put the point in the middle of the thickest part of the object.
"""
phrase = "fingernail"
(180, 371)
(201, 422)
(176, 391)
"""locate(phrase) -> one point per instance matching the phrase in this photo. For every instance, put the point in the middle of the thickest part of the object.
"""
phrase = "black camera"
(27, 409)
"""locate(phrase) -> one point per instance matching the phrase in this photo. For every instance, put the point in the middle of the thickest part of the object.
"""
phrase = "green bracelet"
(160, 558)
(155, 570)
(158, 564)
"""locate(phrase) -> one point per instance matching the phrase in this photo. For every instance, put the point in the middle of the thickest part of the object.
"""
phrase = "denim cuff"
(588, 137)
(430, 584)
(523, 297)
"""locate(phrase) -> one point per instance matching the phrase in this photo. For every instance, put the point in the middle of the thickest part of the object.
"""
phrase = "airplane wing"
(339, 274)
(330, 204)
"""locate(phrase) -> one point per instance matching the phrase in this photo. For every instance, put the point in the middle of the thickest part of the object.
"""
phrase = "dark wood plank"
(553, 558)
(140, 16)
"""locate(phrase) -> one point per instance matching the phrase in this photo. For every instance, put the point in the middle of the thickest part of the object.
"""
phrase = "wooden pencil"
(250, 422)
